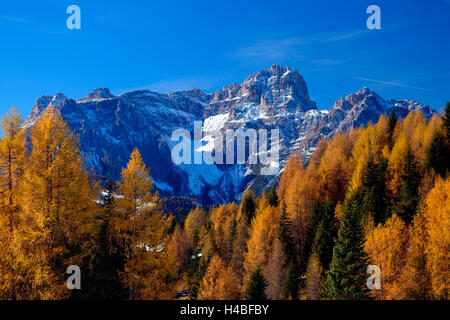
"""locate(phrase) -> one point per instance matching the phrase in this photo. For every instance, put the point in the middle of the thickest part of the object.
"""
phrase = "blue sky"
(175, 45)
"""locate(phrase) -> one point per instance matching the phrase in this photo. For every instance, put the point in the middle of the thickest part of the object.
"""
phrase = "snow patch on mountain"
(111, 126)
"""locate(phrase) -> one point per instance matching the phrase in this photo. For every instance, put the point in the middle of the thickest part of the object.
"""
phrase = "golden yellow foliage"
(335, 168)
(12, 156)
(58, 209)
(372, 140)
(415, 278)
(396, 163)
(293, 166)
(179, 248)
(437, 221)
(386, 246)
(264, 230)
(195, 221)
(219, 282)
(224, 218)
(140, 232)
(301, 191)
(223, 214)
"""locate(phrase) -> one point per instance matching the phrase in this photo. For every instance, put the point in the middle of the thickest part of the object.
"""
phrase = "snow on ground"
(253, 111)
(215, 123)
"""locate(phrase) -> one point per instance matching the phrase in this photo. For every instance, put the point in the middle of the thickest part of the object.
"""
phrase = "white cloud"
(15, 19)
(389, 83)
(271, 49)
(280, 49)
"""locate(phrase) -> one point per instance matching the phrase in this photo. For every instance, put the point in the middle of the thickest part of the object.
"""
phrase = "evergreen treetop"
(256, 286)
(346, 279)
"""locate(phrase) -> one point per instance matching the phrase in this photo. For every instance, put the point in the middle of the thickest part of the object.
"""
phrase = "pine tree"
(315, 218)
(195, 273)
(392, 124)
(346, 279)
(256, 286)
(437, 156)
(248, 205)
(373, 182)
(446, 125)
(326, 233)
(284, 234)
(291, 283)
(272, 197)
(104, 282)
(406, 203)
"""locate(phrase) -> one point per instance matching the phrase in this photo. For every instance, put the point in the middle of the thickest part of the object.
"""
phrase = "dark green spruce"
(346, 279)
(407, 200)
(256, 286)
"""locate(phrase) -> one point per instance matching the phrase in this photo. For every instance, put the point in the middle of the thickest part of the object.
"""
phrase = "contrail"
(391, 83)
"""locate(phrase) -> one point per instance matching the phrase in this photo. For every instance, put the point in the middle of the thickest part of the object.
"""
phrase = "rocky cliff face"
(111, 126)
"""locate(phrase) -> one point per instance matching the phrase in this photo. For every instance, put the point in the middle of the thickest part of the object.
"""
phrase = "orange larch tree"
(140, 231)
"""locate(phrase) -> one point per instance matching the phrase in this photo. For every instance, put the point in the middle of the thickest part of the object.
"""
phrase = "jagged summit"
(58, 100)
(277, 90)
(366, 105)
(97, 94)
(276, 98)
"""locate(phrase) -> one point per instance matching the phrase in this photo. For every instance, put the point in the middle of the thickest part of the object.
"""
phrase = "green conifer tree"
(291, 283)
(326, 233)
(195, 273)
(314, 220)
(373, 181)
(248, 205)
(272, 197)
(392, 124)
(406, 202)
(346, 279)
(284, 234)
(446, 124)
(437, 157)
(103, 280)
(256, 286)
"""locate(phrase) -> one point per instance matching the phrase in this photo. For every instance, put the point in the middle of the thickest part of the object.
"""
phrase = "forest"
(376, 195)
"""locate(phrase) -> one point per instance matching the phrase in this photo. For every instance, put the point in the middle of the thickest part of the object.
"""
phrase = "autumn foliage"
(376, 195)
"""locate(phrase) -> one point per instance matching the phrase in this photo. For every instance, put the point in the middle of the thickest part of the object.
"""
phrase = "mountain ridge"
(277, 98)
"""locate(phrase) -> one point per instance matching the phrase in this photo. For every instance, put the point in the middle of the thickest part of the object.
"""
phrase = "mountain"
(111, 126)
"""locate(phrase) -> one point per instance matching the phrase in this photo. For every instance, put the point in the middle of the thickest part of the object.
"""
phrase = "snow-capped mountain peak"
(277, 98)
(98, 94)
